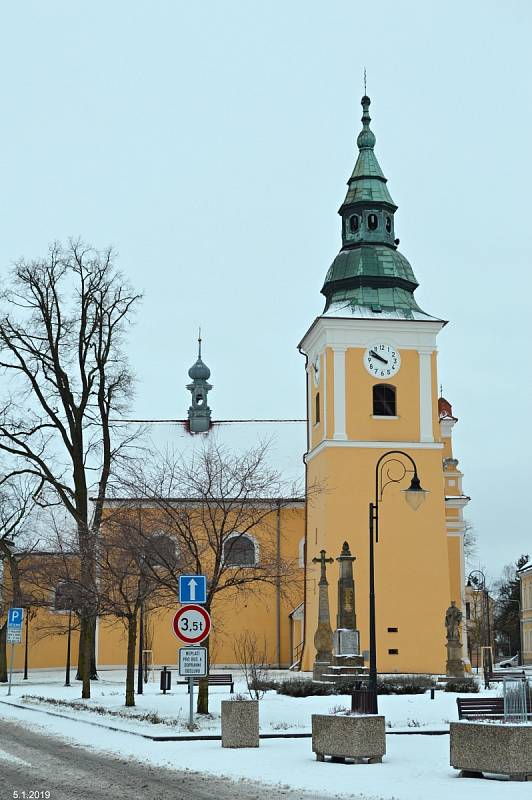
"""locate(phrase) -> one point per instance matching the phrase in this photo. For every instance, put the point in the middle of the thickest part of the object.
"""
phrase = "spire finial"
(441, 390)
(366, 137)
(365, 92)
(199, 342)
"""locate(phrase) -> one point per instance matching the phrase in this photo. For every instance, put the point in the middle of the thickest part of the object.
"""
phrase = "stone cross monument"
(455, 665)
(323, 635)
(346, 636)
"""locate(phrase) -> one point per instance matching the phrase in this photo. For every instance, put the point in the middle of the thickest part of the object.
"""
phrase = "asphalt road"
(32, 764)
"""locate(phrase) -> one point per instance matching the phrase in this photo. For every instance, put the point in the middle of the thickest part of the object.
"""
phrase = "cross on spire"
(322, 561)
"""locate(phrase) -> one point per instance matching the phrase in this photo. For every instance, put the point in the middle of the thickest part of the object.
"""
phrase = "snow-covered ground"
(278, 713)
(415, 767)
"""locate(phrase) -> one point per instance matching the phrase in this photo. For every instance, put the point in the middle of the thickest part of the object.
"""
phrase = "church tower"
(372, 387)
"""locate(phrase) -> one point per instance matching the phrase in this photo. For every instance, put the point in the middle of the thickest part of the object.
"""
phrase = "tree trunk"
(14, 601)
(93, 669)
(130, 665)
(81, 650)
(3, 653)
(85, 651)
(203, 689)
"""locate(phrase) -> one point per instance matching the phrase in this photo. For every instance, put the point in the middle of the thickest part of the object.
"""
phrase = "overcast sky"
(210, 143)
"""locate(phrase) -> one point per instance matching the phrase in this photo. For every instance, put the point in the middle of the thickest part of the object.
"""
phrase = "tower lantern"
(199, 413)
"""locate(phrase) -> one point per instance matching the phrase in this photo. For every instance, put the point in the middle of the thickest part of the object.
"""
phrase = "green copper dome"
(369, 272)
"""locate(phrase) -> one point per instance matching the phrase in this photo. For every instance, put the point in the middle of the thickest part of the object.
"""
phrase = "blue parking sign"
(15, 617)
(192, 589)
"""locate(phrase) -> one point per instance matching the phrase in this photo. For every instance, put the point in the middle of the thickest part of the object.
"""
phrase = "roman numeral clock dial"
(382, 361)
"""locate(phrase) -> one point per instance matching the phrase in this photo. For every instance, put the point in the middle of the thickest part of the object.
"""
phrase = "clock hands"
(377, 356)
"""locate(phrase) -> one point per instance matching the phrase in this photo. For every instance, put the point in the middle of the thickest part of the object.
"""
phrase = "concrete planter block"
(240, 723)
(355, 737)
(492, 747)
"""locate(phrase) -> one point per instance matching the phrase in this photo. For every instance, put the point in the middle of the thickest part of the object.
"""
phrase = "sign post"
(192, 624)
(15, 617)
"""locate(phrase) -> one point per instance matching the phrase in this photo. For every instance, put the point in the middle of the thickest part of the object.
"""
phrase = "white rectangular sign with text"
(193, 662)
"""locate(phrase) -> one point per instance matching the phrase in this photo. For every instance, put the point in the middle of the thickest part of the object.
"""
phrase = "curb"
(201, 738)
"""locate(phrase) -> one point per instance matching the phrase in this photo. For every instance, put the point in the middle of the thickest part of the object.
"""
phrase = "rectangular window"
(384, 400)
(468, 610)
(393, 630)
(317, 408)
(393, 652)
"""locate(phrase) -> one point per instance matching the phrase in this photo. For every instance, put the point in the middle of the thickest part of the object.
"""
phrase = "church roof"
(286, 441)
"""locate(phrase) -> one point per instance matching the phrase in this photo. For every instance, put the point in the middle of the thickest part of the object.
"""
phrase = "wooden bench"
(480, 707)
(501, 674)
(484, 707)
(222, 679)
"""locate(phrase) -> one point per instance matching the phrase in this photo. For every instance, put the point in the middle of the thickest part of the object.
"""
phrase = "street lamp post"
(140, 685)
(476, 580)
(26, 643)
(69, 638)
(414, 496)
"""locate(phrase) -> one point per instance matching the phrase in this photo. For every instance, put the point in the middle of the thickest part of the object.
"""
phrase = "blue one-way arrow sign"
(192, 589)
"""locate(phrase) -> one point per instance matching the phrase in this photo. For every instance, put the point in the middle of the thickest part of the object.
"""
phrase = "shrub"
(405, 684)
(264, 684)
(467, 686)
(304, 687)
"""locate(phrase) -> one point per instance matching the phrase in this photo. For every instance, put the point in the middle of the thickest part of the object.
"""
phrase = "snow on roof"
(285, 438)
(343, 308)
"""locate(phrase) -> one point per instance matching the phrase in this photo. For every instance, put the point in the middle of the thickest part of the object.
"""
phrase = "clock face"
(382, 361)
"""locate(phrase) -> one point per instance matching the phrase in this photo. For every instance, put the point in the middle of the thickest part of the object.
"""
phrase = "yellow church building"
(372, 390)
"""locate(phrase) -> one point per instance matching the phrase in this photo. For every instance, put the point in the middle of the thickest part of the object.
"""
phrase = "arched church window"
(389, 224)
(384, 400)
(160, 550)
(239, 551)
(354, 223)
(373, 222)
(317, 408)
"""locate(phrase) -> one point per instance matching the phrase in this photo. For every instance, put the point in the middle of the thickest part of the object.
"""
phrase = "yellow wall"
(413, 550)
(47, 640)
(234, 611)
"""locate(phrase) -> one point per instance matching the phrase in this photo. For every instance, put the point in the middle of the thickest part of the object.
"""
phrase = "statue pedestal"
(455, 666)
(346, 644)
(319, 669)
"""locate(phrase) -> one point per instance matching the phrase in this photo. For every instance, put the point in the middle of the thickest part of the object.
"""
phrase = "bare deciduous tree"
(126, 571)
(253, 662)
(211, 506)
(470, 542)
(17, 502)
(62, 326)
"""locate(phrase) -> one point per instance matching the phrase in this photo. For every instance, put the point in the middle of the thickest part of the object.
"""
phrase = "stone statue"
(453, 618)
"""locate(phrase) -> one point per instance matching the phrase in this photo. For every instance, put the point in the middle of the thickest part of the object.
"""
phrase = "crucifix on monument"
(323, 636)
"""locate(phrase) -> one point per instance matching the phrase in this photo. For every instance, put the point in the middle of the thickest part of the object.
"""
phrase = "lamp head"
(415, 494)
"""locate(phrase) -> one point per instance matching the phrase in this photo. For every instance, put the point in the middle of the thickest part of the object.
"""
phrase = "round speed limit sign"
(192, 624)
